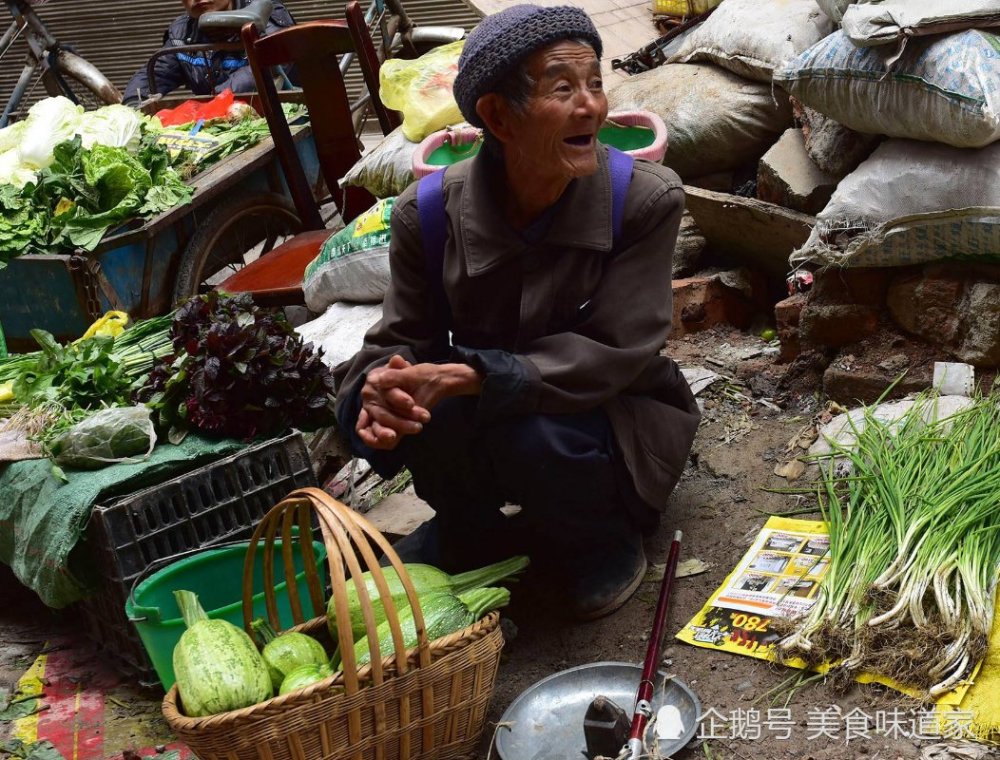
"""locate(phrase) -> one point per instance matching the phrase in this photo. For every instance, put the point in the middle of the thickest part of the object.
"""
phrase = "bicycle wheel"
(80, 81)
(235, 233)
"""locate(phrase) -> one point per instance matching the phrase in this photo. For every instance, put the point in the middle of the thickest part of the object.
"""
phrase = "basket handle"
(346, 534)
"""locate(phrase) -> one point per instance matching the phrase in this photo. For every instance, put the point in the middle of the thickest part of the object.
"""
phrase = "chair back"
(313, 49)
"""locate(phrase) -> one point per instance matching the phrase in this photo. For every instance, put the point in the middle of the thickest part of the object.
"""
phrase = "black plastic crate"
(219, 502)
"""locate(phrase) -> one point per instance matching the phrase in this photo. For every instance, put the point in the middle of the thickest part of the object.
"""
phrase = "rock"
(853, 384)
(864, 286)
(834, 148)
(690, 247)
(981, 344)
(399, 514)
(952, 307)
(788, 177)
(787, 314)
(927, 304)
(836, 325)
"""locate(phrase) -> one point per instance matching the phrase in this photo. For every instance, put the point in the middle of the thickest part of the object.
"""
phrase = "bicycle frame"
(40, 43)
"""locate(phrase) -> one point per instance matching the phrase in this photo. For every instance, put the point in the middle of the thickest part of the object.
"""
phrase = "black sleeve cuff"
(508, 386)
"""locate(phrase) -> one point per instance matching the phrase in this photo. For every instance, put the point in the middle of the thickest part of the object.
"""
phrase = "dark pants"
(575, 498)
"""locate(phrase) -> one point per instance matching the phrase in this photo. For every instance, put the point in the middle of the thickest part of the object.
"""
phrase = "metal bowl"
(546, 720)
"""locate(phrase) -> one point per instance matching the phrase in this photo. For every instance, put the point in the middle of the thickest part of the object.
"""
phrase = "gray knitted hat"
(503, 39)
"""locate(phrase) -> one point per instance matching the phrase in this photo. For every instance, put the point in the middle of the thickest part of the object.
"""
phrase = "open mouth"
(580, 141)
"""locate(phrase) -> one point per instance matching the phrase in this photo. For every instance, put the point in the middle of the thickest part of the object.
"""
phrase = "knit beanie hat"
(495, 47)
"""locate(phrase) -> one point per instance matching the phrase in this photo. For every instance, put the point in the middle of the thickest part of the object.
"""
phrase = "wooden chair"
(275, 279)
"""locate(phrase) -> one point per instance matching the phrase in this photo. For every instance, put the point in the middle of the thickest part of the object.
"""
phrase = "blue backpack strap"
(433, 230)
(620, 165)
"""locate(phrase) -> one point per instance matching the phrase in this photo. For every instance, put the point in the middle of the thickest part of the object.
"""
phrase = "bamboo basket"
(429, 702)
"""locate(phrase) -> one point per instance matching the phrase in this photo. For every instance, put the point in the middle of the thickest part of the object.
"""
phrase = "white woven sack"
(909, 203)
(898, 20)
(835, 8)
(752, 38)
(943, 89)
(716, 121)
(386, 169)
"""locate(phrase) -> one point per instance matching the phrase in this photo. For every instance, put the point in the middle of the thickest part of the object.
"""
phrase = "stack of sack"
(926, 74)
(715, 92)
(923, 73)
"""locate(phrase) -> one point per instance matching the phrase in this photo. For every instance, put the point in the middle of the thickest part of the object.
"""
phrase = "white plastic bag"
(340, 331)
(753, 37)
(716, 121)
(944, 89)
(910, 203)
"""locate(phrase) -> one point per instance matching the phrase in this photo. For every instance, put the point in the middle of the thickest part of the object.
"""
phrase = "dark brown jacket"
(559, 325)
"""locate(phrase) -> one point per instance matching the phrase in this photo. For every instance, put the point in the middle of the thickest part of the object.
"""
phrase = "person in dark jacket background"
(200, 71)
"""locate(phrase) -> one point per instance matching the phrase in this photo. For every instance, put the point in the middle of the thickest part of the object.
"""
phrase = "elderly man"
(518, 358)
(203, 73)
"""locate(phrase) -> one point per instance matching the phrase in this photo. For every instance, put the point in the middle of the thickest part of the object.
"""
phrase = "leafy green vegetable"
(43, 750)
(238, 371)
(20, 223)
(83, 193)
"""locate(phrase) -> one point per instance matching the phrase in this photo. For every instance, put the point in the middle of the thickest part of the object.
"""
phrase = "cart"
(241, 207)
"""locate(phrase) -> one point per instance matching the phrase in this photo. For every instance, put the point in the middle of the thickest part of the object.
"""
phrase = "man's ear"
(496, 115)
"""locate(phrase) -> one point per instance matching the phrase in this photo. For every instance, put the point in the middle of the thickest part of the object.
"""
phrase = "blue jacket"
(173, 70)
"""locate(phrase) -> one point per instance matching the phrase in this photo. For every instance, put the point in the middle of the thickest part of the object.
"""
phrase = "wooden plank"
(762, 234)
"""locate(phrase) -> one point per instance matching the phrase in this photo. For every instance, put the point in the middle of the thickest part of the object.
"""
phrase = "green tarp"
(42, 518)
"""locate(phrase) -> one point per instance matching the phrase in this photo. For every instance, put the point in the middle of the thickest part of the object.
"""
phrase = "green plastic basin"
(623, 138)
(216, 576)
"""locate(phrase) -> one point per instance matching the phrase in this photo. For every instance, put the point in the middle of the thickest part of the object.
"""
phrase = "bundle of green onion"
(914, 549)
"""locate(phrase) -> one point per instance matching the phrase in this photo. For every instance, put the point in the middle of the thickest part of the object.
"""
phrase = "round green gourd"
(283, 654)
(218, 668)
(305, 675)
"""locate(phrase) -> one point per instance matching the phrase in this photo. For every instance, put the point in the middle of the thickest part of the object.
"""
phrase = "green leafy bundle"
(84, 193)
(238, 371)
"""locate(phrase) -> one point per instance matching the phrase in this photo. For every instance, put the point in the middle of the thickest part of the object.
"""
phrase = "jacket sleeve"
(623, 327)
(242, 79)
(406, 327)
(169, 76)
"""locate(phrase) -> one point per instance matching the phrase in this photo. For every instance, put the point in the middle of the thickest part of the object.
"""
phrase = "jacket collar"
(582, 216)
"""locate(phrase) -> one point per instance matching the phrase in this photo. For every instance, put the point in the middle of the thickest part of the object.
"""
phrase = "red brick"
(786, 316)
(704, 302)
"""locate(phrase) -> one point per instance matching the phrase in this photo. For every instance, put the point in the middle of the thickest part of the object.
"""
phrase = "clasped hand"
(397, 399)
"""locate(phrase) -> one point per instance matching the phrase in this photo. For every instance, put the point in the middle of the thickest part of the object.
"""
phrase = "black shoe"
(607, 577)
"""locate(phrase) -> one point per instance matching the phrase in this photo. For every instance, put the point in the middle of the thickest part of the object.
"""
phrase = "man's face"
(565, 111)
(197, 8)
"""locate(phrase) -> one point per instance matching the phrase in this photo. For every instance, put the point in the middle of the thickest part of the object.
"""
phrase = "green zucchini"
(444, 613)
(217, 666)
(426, 579)
(283, 654)
(305, 675)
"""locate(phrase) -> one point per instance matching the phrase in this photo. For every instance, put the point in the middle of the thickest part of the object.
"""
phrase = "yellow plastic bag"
(111, 324)
(421, 90)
